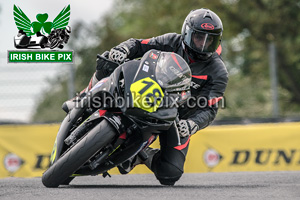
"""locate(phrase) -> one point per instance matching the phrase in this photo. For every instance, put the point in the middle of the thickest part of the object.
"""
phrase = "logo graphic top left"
(42, 33)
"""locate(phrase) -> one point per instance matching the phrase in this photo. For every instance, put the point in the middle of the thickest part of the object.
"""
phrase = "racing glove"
(118, 54)
(187, 127)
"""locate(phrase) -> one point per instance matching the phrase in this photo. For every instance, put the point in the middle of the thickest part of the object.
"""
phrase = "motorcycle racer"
(199, 45)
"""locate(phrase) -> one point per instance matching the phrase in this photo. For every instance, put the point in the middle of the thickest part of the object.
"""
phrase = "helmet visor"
(201, 41)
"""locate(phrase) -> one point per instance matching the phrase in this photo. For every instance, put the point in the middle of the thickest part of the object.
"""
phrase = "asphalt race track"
(239, 185)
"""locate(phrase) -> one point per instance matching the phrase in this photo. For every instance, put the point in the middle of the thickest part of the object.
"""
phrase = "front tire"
(65, 166)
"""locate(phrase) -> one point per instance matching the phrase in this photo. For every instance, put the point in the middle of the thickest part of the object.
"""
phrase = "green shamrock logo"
(37, 26)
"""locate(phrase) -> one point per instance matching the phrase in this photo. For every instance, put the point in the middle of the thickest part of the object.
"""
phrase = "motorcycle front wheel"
(97, 138)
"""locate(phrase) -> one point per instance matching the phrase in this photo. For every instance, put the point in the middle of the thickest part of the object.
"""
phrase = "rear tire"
(97, 138)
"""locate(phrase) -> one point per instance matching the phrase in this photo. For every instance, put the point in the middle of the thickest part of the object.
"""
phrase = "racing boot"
(72, 103)
(128, 165)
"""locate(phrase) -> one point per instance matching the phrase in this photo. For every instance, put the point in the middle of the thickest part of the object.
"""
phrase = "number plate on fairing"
(146, 94)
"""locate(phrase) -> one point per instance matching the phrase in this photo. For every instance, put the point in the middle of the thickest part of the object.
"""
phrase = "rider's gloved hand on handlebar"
(118, 54)
(187, 127)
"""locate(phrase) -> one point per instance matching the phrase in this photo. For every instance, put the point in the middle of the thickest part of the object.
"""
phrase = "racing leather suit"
(209, 80)
(209, 77)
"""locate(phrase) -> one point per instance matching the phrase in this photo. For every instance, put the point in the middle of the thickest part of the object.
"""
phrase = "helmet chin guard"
(195, 55)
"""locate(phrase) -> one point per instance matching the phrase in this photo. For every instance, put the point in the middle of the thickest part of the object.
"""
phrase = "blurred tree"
(249, 27)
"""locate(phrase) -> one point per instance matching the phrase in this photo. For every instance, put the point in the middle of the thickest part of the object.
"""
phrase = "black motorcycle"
(119, 117)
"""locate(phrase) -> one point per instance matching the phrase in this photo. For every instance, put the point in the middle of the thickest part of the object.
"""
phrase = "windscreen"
(172, 72)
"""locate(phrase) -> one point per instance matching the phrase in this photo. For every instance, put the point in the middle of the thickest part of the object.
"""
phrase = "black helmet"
(201, 33)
